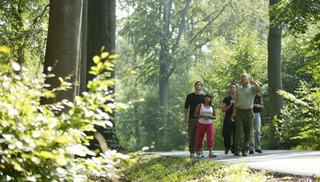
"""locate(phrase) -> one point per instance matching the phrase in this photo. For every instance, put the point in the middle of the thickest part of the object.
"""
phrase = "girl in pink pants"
(205, 112)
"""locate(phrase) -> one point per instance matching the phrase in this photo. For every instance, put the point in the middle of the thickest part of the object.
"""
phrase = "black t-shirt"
(192, 101)
(257, 100)
(227, 101)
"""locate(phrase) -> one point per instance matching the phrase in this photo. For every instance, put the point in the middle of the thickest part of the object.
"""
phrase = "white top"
(205, 112)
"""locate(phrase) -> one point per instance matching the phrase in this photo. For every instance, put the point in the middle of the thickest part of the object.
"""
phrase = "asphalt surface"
(292, 162)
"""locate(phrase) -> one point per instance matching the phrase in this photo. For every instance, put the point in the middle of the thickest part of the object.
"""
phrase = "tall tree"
(101, 36)
(63, 46)
(302, 18)
(23, 29)
(274, 64)
(165, 33)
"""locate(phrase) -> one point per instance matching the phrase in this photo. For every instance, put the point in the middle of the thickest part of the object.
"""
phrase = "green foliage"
(221, 39)
(156, 168)
(24, 26)
(38, 145)
(298, 15)
(302, 112)
(302, 19)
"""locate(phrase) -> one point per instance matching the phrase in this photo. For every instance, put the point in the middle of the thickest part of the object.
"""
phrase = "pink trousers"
(202, 129)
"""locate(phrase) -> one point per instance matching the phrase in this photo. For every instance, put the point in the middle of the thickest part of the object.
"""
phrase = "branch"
(199, 46)
(214, 18)
(182, 25)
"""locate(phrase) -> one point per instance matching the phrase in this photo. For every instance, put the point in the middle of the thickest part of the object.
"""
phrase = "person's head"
(233, 88)
(207, 99)
(244, 78)
(198, 85)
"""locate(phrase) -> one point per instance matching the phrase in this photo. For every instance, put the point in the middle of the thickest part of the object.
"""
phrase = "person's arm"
(213, 116)
(186, 106)
(233, 112)
(261, 103)
(256, 85)
(186, 115)
(225, 108)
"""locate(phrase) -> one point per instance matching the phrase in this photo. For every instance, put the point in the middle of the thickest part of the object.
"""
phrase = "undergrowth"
(158, 168)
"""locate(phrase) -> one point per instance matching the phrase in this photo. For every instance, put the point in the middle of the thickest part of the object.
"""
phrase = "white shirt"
(205, 112)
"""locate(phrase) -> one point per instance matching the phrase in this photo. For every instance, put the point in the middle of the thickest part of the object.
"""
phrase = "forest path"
(294, 162)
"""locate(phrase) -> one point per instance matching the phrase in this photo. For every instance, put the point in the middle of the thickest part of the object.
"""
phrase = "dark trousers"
(244, 124)
(229, 129)
(192, 132)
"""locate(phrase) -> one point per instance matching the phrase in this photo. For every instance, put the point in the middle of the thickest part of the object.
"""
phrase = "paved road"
(302, 163)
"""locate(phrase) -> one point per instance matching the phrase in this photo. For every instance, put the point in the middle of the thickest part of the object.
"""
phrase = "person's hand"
(252, 81)
(232, 119)
(232, 102)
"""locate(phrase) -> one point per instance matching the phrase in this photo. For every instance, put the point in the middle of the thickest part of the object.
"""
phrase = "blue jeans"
(255, 136)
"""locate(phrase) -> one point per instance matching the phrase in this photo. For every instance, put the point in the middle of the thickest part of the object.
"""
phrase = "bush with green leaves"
(300, 120)
(38, 145)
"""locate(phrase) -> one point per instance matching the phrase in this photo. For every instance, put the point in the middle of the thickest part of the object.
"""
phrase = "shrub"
(37, 145)
(301, 118)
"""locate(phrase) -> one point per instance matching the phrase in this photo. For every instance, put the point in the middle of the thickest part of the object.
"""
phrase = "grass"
(151, 168)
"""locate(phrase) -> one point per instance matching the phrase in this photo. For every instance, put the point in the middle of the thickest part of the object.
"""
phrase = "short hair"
(245, 74)
(233, 84)
(197, 83)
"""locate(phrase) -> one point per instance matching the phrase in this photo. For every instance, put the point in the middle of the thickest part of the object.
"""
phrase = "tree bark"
(274, 66)
(83, 64)
(63, 46)
(102, 33)
(101, 29)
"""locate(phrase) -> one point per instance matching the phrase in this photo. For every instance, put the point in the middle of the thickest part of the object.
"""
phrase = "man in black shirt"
(229, 128)
(192, 100)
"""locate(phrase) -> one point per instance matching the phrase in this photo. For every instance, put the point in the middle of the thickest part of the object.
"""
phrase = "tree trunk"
(101, 29)
(163, 106)
(102, 33)
(63, 46)
(83, 64)
(18, 38)
(274, 67)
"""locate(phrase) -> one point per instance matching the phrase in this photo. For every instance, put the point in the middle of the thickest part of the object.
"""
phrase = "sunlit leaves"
(36, 144)
(5, 49)
(302, 112)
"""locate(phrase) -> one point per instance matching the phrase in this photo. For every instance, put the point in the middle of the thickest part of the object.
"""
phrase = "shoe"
(192, 155)
(259, 151)
(226, 151)
(236, 154)
(198, 154)
(201, 154)
(212, 155)
(244, 154)
(251, 152)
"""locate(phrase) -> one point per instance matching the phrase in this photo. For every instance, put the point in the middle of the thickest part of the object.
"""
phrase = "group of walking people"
(242, 118)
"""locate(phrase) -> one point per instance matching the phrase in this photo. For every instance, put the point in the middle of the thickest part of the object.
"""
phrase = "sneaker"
(244, 154)
(192, 155)
(212, 155)
(259, 151)
(226, 151)
(251, 152)
(198, 154)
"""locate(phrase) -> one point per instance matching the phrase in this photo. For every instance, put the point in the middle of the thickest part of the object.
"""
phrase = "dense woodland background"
(164, 47)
